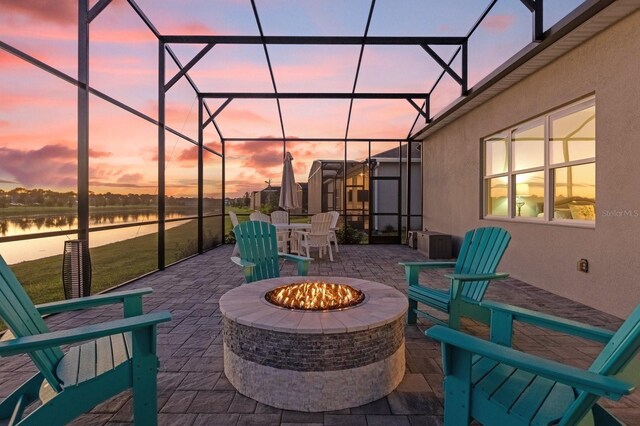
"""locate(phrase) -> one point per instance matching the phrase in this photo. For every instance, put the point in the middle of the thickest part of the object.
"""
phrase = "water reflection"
(20, 225)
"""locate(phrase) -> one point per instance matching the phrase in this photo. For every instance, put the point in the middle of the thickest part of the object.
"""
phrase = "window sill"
(584, 224)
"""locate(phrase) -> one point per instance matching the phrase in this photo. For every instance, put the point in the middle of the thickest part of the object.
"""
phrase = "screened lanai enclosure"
(137, 125)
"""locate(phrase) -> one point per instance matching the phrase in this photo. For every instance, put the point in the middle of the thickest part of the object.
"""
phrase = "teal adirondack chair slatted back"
(618, 357)
(258, 244)
(23, 319)
(481, 252)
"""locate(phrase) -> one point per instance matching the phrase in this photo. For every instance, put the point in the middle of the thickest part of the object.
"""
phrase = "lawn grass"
(112, 264)
(118, 262)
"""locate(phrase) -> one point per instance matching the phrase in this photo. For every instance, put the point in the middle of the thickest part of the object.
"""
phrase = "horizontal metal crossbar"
(320, 40)
(317, 95)
(294, 139)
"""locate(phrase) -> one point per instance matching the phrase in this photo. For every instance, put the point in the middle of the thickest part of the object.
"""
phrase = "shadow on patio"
(192, 387)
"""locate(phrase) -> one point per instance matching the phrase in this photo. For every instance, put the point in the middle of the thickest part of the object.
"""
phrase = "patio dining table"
(292, 227)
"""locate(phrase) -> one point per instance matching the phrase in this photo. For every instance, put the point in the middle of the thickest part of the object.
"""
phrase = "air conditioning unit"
(412, 239)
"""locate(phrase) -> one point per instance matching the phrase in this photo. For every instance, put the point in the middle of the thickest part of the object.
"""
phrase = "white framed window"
(543, 170)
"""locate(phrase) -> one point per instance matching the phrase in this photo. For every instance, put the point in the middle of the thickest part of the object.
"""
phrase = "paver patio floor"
(192, 388)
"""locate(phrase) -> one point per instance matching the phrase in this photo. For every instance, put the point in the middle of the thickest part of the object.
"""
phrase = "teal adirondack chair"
(481, 251)
(119, 355)
(497, 385)
(259, 255)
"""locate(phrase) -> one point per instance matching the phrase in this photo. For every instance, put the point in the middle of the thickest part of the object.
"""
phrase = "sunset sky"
(38, 110)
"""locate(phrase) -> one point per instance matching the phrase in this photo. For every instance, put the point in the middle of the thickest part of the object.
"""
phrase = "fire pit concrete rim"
(245, 305)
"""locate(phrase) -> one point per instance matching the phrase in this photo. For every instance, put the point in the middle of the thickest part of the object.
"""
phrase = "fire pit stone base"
(314, 391)
(310, 360)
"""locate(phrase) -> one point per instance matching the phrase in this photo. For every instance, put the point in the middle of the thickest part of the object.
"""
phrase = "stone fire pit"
(314, 360)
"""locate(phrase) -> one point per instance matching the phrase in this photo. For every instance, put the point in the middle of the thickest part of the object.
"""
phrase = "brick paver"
(192, 388)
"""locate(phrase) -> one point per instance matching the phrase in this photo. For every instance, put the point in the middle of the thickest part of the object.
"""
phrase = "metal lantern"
(76, 269)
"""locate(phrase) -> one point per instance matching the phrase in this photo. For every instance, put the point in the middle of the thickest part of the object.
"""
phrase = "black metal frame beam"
(213, 115)
(422, 113)
(315, 95)
(175, 59)
(538, 20)
(201, 177)
(464, 87)
(348, 124)
(67, 78)
(577, 17)
(161, 155)
(96, 9)
(270, 139)
(273, 79)
(83, 119)
(445, 66)
(144, 18)
(306, 40)
(188, 66)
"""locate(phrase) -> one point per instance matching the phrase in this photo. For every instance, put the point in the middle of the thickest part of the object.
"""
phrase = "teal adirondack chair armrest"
(247, 267)
(131, 299)
(458, 280)
(503, 315)
(302, 261)
(412, 269)
(593, 383)
(88, 332)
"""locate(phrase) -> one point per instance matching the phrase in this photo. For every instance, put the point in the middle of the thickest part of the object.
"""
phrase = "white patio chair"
(332, 229)
(318, 236)
(281, 217)
(234, 223)
(260, 217)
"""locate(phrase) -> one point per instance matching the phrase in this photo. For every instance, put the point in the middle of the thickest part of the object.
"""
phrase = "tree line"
(47, 198)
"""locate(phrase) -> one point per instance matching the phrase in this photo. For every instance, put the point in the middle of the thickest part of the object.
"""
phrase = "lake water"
(18, 251)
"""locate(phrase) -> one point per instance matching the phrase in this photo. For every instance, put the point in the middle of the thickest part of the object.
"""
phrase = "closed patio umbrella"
(288, 189)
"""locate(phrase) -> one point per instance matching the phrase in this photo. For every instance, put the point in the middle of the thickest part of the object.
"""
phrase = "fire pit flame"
(315, 296)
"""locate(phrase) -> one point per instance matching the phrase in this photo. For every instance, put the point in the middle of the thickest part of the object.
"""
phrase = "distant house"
(375, 186)
(271, 195)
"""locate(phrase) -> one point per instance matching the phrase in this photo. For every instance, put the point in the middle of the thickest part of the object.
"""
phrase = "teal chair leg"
(454, 314)
(457, 386)
(303, 269)
(412, 317)
(28, 391)
(145, 394)
(145, 371)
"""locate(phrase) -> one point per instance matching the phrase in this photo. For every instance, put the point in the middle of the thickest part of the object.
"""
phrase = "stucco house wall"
(545, 255)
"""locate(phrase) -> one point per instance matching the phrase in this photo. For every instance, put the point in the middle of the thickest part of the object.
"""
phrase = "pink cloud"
(104, 172)
(124, 187)
(8, 60)
(498, 23)
(16, 100)
(62, 13)
(131, 178)
(194, 28)
(56, 166)
(257, 155)
(98, 154)
(190, 154)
